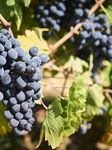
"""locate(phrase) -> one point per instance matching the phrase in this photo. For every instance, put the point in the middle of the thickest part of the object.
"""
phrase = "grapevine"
(56, 74)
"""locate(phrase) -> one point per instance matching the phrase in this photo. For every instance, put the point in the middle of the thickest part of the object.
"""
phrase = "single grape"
(7, 45)
(36, 96)
(18, 131)
(20, 96)
(1, 96)
(25, 106)
(20, 52)
(30, 70)
(19, 115)
(12, 54)
(2, 60)
(21, 81)
(13, 101)
(31, 120)
(8, 114)
(5, 79)
(33, 51)
(43, 57)
(28, 114)
(1, 48)
(15, 108)
(14, 122)
(23, 123)
(19, 66)
(29, 93)
(28, 127)
(5, 102)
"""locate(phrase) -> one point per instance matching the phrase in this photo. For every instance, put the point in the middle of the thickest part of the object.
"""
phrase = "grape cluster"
(94, 36)
(62, 13)
(84, 127)
(19, 81)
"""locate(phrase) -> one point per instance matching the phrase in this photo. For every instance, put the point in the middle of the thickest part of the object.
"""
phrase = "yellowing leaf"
(76, 64)
(4, 126)
(31, 39)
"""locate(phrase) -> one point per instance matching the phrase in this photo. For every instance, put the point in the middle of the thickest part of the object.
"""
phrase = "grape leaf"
(4, 126)
(108, 9)
(5, 10)
(31, 39)
(26, 2)
(63, 117)
(76, 64)
(10, 2)
(18, 13)
(73, 106)
(53, 124)
(95, 98)
(85, 76)
(106, 74)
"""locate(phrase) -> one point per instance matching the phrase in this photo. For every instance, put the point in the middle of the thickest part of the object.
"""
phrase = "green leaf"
(95, 98)
(53, 124)
(26, 2)
(18, 13)
(73, 106)
(63, 117)
(76, 64)
(5, 10)
(85, 76)
(32, 39)
(106, 73)
(10, 2)
(108, 10)
(4, 126)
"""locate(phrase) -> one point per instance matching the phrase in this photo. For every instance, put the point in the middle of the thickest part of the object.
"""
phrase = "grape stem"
(45, 84)
(50, 65)
(74, 30)
(107, 90)
(6, 24)
(43, 104)
(109, 97)
(53, 85)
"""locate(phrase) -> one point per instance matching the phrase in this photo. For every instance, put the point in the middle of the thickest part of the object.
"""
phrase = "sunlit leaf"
(26, 2)
(10, 2)
(4, 126)
(76, 64)
(18, 13)
(95, 98)
(63, 117)
(31, 39)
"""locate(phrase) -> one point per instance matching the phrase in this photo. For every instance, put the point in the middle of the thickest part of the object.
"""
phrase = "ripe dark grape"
(19, 66)
(8, 114)
(18, 131)
(14, 122)
(33, 51)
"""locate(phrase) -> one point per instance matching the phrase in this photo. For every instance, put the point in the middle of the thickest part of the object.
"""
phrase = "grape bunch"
(61, 13)
(50, 15)
(19, 81)
(94, 36)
